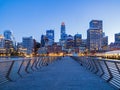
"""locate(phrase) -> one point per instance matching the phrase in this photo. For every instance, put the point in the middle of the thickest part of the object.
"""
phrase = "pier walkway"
(64, 74)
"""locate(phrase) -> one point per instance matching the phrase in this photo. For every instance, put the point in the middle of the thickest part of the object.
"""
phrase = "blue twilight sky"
(33, 17)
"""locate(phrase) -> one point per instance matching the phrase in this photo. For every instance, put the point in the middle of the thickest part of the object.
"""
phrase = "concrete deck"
(65, 74)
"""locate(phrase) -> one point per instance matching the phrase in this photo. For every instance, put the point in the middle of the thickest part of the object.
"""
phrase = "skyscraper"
(117, 38)
(50, 36)
(105, 43)
(70, 42)
(116, 44)
(2, 46)
(27, 42)
(10, 43)
(8, 35)
(2, 41)
(63, 36)
(63, 31)
(95, 35)
(43, 40)
(96, 24)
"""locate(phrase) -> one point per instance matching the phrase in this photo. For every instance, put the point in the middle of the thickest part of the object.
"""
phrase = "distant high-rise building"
(70, 42)
(54, 48)
(63, 36)
(27, 42)
(8, 35)
(105, 43)
(83, 45)
(10, 43)
(43, 37)
(63, 31)
(2, 45)
(2, 41)
(117, 38)
(96, 24)
(116, 44)
(50, 36)
(95, 35)
(77, 40)
(9, 46)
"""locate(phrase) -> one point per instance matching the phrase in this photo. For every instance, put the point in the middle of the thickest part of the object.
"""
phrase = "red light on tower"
(63, 23)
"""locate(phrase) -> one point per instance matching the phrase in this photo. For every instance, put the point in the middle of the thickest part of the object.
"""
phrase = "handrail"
(107, 69)
(11, 70)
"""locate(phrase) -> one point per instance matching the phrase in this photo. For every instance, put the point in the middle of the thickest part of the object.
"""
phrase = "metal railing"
(107, 69)
(11, 70)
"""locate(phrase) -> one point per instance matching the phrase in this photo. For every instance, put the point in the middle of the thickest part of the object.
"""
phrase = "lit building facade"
(27, 43)
(8, 35)
(2, 41)
(69, 42)
(77, 40)
(83, 46)
(2, 44)
(95, 35)
(9, 47)
(54, 48)
(6, 43)
(105, 43)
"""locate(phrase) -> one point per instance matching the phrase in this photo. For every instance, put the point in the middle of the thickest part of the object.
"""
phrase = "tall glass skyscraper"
(8, 35)
(63, 36)
(9, 39)
(63, 31)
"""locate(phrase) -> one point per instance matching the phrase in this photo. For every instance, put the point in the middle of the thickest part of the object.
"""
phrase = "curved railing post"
(110, 74)
(33, 64)
(118, 69)
(20, 68)
(101, 69)
(36, 64)
(9, 71)
(40, 63)
(26, 69)
(89, 64)
(96, 67)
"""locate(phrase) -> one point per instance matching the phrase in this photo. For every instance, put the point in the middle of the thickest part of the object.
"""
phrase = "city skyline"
(33, 17)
